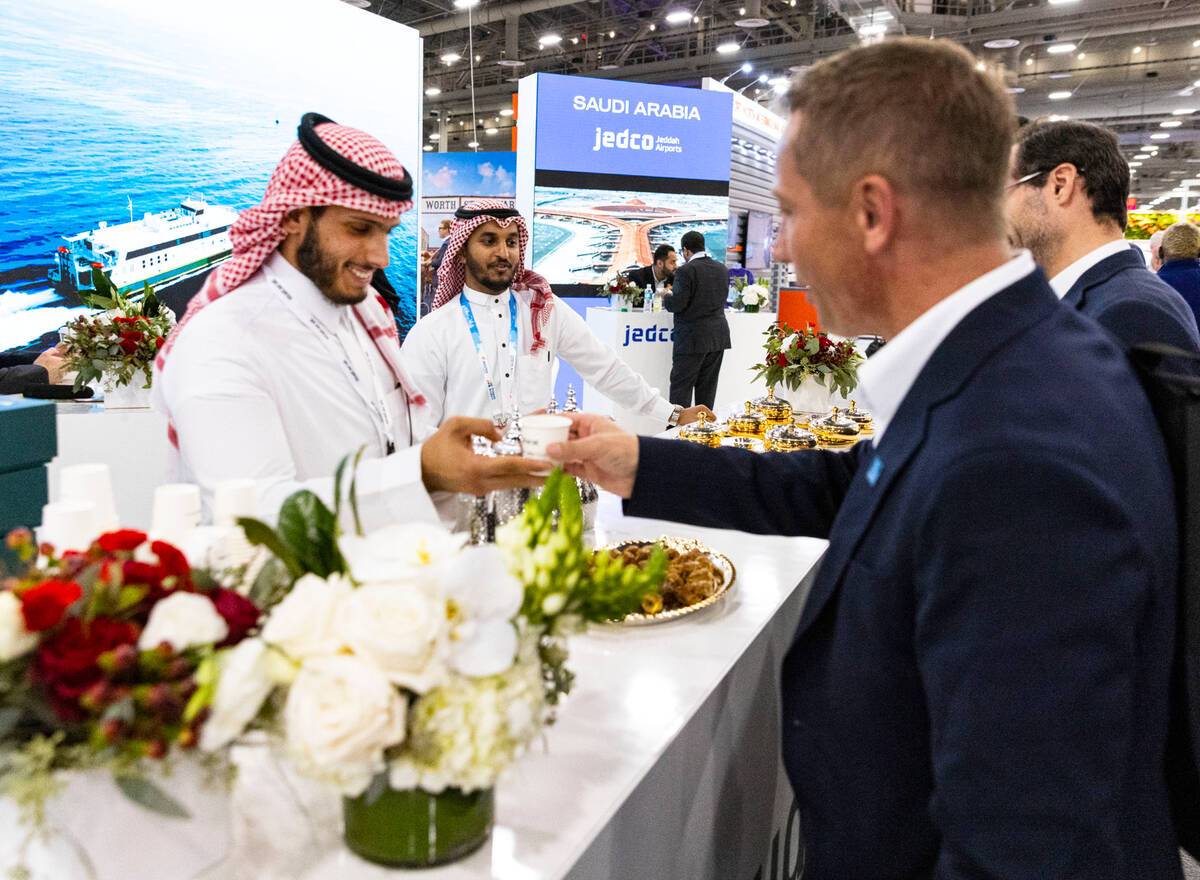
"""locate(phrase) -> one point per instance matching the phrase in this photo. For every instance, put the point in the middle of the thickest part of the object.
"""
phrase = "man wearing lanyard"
(302, 366)
(492, 351)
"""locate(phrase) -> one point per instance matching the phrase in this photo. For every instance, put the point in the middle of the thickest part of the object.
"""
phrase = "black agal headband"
(498, 213)
(331, 160)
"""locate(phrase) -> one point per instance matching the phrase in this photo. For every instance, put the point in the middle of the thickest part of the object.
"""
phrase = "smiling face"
(338, 249)
(491, 255)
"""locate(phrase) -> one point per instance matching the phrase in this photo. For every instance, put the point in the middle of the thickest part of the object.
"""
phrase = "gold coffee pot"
(748, 424)
(774, 410)
(703, 432)
(788, 438)
(835, 430)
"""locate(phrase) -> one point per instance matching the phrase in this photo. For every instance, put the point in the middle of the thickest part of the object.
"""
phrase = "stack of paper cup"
(68, 525)
(176, 511)
(232, 499)
(90, 483)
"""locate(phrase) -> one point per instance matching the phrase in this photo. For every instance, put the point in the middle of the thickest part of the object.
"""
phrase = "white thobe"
(441, 354)
(253, 391)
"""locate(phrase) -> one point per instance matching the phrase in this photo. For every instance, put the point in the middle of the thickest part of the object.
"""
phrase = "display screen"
(608, 127)
(759, 226)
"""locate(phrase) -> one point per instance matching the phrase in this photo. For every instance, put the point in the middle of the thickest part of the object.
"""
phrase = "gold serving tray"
(720, 561)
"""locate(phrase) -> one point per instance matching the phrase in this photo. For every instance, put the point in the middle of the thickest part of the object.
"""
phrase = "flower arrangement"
(750, 296)
(793, 356)
(101, 659)
(623, 289)
(401, 660)
(120, 344)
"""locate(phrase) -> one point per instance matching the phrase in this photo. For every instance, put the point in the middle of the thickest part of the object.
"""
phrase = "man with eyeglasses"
(1065, 202)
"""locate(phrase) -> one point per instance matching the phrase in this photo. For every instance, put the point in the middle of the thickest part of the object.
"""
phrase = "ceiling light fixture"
(1002, 43)
(510, 62)
(473, 144)
(653, 26)
(1161, 136)
(1015, 90)
(1081, 56)
(1061, 48)
(1170, 123)
(465, 4)
(451, 57)
(432, 91)
(428, 148)
(1137, 50)
(507, 111)
(549, 39)
(1062, 2)
(490, 130)
(1058, 96)
(872, 30)
(678, 16)
(1029, 62)
(611, 34)
(1058, 117)
(435, 136)
(1141, 156)
(728, 48)
(1135, 164)
(1183, 111)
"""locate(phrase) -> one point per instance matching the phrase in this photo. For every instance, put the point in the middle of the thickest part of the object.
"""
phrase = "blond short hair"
(1180, 242)
(917, 112)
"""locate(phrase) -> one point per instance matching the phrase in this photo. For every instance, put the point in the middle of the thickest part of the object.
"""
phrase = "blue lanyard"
(498, 415)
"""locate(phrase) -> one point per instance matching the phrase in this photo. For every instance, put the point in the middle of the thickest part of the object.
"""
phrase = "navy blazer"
(1131, 303)
(1184, 276)
(698, 302)
(978, 684)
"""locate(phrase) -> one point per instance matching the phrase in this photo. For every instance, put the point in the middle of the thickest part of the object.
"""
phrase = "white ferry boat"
(160, 248)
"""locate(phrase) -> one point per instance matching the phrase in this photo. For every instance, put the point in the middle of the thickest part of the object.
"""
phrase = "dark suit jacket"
(1184, 276)
(14, 379)
(698, 301)
(645, 275)
(1132, 304)
(978, 684)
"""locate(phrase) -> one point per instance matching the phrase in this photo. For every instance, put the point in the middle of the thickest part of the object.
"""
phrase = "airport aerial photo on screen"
(586, 236)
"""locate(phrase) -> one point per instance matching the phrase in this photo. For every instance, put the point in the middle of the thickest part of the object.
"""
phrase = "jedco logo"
(623, 140)
(648, 334)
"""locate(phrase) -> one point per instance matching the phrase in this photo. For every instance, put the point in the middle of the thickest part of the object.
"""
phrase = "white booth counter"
(643, 340)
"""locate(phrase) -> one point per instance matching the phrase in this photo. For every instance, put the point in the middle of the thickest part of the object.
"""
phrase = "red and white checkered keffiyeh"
(452, 273)
(299, 182)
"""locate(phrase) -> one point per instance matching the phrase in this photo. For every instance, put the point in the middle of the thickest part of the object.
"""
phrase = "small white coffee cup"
(90, 483)
(176, 510)
(232, 499)
(539, 431)
(68, 525)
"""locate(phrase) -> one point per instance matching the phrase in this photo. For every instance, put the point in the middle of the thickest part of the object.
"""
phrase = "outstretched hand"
(599, 451)
(449, 462)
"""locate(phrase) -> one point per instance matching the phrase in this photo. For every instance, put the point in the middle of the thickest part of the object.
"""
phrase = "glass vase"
(746, 308)
(415, 829)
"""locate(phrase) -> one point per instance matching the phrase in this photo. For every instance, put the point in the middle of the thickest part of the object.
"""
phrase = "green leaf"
(146, 794)
(150, 304)
(307, 526)
(130, 596)
(261, 534)
(10, 716)
(358, 529)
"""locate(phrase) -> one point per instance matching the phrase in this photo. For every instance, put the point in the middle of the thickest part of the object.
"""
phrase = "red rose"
(240, 614)
(141, 574)
(127, 346)
(158, 342)
(65, 665)
(133, 335)
(43, 606)
(781, 359)
(121, 539)
(172, 561)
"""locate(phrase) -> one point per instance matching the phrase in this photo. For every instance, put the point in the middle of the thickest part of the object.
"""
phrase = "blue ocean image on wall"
(113, 117)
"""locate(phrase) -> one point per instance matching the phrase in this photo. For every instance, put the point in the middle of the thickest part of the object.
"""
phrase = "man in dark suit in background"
(1066, 203)
(660, 274)
(701, 331)
(978, 686)
(1181, 263)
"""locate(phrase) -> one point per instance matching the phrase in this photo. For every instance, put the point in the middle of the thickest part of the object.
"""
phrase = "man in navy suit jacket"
(1066, 203)
(978, 685)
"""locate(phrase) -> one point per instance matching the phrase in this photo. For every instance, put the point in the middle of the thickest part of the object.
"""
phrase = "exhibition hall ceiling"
(1129, 64)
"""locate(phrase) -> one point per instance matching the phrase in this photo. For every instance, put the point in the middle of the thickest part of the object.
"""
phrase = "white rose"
(15, 640)
(482, 598)
(245, 681)
(184, 620)
(341, 713)
(399, 628)
(399, 552)
(302, 624)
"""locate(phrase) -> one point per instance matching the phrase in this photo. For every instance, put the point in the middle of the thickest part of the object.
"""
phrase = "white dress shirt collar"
(885, 379)
(480, 298)
(697, 255)
(1065, 280)
(306, 293)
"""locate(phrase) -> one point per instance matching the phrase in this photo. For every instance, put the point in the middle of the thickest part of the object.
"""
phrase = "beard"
(496, 280)
(322, 269)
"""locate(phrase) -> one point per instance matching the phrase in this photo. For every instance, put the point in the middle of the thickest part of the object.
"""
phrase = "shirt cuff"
(662, 410)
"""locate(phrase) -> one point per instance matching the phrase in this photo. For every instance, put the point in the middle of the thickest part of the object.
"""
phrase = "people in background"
(1065, 201)
(1155, 244)
(660, 274)
(489, 346)
(697, 300)
(286, 360)
(1180, 266)
(47, 369)
(978, 686)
